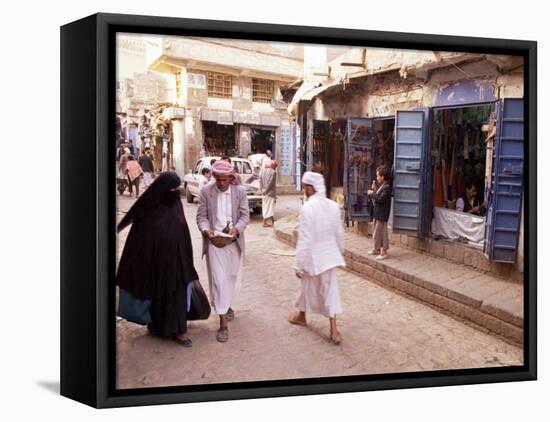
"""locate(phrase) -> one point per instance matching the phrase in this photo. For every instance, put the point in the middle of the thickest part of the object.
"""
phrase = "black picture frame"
(88, 221)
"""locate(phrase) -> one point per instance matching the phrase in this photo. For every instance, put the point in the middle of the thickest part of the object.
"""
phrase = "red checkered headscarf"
(223, 168)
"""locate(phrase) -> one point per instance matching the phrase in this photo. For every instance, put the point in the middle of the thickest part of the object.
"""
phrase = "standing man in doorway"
(222, 217)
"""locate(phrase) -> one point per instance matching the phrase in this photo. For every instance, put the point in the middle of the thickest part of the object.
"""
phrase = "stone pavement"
(491, 303)
(383, 331)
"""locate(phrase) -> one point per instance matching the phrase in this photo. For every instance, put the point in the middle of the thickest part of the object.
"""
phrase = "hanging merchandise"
(447, 129)
(466, 146)
(359, 165)
(452, 193)
(436, 154)
(491, 134)
(438, 188)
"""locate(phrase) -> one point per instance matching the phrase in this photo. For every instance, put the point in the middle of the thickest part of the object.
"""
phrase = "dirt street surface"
(383, 332)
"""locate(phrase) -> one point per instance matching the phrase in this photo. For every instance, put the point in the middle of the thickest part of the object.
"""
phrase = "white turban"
(316, 180)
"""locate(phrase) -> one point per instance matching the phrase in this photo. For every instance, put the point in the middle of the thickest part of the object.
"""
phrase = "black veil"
(157, 260)
(157, 194)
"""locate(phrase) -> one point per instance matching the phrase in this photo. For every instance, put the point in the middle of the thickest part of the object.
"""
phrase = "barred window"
(219, 85)
(262, 91)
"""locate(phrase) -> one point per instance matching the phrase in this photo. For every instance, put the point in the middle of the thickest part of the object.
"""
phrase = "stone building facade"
(368, 88)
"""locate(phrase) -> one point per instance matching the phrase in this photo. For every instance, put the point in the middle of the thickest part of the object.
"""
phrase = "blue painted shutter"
(504, 203)
(410, 172)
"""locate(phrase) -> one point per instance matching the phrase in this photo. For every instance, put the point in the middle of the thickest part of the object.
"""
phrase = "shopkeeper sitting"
(468, 202)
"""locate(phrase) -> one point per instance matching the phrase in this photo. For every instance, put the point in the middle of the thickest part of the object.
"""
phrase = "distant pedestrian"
(380, 193)
(268, 188)
(134, 172)
(318, 254)
(123, 161)
(121, 149)
(132, 148)
(157, 260)
(148, 167)
(204, 178)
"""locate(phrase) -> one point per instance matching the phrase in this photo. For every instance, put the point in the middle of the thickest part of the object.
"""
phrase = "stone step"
(490, 303)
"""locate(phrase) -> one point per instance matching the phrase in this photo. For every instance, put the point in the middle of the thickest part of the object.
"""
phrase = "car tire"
(188, 195)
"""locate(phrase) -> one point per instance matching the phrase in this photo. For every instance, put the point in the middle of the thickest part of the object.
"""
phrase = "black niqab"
(157, 260)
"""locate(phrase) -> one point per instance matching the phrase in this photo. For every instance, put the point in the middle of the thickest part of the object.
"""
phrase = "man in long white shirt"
(223, 208)
(318, 254)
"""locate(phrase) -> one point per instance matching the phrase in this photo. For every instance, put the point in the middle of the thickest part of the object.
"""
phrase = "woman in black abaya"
(157, 260)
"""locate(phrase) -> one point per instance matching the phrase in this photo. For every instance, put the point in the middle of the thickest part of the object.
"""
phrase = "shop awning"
(308, 91)
(304, 88)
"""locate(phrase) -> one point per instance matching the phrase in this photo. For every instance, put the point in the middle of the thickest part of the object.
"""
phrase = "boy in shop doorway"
(380, 193)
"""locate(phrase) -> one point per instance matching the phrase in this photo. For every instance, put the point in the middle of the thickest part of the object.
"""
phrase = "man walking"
(148, 167)
(268, 187)
(222, 217)
(318, 254)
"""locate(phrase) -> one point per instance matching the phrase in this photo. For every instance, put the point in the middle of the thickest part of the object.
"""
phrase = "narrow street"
(383, 332)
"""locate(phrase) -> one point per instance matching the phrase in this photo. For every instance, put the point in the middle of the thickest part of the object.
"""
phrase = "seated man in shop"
(468, 202)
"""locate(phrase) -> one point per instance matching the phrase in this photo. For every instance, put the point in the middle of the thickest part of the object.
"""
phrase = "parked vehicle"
(243, 167)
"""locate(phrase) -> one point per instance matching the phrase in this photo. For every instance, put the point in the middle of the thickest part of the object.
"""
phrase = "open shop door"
(410, 172)
(505, 195)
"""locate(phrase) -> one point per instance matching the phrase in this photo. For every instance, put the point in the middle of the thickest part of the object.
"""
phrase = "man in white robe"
(318, 254)
(223, 209)
(268, 188)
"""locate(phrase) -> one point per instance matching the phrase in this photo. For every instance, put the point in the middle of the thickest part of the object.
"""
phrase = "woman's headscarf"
(157, 194)
(223, 168)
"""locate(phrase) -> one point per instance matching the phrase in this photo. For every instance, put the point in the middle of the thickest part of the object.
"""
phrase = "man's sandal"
(230, 315)
(336, 338)
(293, 319)
(222, 335)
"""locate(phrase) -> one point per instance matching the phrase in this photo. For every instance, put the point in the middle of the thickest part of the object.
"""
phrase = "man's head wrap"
(223, 168)
(316, 180)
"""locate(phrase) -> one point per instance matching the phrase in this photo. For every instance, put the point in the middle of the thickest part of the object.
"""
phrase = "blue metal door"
(504, 201)
(410, 172)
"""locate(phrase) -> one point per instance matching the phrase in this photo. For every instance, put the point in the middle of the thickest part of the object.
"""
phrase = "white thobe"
(147, 178)
(268, 207)
(224, 264)
(318, 254)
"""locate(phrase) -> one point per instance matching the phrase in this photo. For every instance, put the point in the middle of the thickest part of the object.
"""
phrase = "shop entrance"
(261, 140)
(370, 143)
(335, 171)
(219, 139)
(460, 172)
(440, 152)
